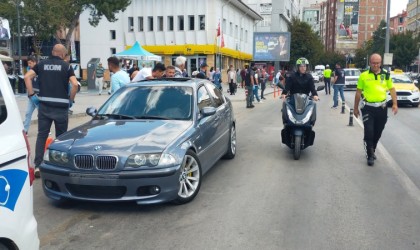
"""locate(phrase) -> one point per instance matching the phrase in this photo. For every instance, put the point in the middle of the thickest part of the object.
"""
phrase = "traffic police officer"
(327, 79)
(54, 75)
(374, 84)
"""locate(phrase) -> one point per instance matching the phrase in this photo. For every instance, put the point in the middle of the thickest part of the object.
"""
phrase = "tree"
(304, 43)
(378, 39)
(42, 19)
(404, 48)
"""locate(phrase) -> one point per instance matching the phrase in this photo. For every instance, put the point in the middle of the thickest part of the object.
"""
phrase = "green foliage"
(304, 43)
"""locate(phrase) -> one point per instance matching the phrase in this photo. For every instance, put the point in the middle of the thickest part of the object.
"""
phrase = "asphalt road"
(263, 199)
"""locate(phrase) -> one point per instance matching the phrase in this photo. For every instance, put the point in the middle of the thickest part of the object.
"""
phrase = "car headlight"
(55, 156)
(150, 160)
(415, 90)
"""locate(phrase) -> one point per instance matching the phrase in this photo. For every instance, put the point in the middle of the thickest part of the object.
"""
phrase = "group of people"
(371, 93)
(52, 87)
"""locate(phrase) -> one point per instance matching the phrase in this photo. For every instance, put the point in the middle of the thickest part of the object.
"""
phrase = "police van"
(18, 227)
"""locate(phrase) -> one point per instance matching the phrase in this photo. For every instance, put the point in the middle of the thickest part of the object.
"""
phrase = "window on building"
(224, 26)
(160, 23)
(170, 23)
(180, 22)
(113, 51)
(150, 23)
(236, 31)
(231, 28)
(401, 19)
(141, 25)
(130, 24)
(112, 34)
(191, 21)
(242, 34)
(246, 35)
(202, 20)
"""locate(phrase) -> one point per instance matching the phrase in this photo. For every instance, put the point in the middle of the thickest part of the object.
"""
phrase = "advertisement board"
(347, 21)
(4, 29)
(271, 46)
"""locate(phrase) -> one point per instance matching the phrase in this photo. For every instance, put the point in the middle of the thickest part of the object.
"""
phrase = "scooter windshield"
(300, 102)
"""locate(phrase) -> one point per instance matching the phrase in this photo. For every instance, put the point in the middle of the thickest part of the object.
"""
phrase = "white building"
(175, 27)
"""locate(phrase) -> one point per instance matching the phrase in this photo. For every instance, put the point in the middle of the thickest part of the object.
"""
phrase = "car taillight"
(31, 169)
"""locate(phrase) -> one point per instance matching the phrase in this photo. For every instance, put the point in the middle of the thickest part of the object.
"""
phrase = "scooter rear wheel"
(296, 151)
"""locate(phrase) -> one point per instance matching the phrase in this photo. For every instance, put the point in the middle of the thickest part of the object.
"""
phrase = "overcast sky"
(397, 6)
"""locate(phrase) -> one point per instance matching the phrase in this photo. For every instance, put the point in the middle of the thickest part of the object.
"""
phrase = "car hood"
(405, 86)
(128, 136)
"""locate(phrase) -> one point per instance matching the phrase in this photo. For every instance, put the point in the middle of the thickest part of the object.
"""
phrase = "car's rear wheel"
(189, 179)
(231, 152)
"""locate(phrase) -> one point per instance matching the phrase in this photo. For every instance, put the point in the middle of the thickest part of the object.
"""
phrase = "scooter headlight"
(308, 116)
(290, 115)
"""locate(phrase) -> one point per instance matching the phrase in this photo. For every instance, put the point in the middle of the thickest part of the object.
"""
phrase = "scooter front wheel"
(296, 151)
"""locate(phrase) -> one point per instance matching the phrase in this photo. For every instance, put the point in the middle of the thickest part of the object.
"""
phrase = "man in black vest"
(54, 76)
(249, 84)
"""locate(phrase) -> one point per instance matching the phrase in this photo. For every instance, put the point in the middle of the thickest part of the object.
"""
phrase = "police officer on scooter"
(54, 75)
(300, 82)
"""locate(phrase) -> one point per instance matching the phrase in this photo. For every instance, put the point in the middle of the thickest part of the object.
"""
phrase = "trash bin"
(21, 85)
(91, 67)
(12, 80)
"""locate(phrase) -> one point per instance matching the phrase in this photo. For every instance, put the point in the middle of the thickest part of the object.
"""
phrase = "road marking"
(402, 177)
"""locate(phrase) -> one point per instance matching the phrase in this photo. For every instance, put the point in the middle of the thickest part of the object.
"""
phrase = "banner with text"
(271, 46)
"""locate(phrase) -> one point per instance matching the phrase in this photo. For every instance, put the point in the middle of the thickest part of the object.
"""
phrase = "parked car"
(18, 227)
(351, 78)
(407, 92)
(151, 142)
(315, 76)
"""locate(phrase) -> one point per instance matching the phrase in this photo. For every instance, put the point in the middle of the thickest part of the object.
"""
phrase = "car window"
(171, 102)
(216, 94)
(203, 98)
(352, 72)
(400, 79)
(3, 110)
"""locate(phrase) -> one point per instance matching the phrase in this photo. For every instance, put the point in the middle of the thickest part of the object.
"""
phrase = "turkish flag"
(218, 29)
(222, 42)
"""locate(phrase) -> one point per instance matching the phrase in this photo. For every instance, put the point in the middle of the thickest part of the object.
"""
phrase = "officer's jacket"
(53, 77)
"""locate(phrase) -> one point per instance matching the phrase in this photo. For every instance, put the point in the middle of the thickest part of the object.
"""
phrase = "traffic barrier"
(48, 142)
(343, 107)
(351, 118)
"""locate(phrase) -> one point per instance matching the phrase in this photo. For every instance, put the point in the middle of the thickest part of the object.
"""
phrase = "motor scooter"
(299, 116)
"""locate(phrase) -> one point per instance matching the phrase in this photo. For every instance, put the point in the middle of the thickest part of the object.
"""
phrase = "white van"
(351, 78)
(18, 227)
(319, 69)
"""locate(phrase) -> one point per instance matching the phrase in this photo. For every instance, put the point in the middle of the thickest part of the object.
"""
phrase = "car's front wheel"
(231, 151)
(189, 179)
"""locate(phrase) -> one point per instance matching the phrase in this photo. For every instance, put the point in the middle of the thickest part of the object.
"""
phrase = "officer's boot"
(370, 156)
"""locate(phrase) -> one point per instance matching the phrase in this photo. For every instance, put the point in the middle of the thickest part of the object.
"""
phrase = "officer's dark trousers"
(327, 82)
(46, 116)
(374, 119)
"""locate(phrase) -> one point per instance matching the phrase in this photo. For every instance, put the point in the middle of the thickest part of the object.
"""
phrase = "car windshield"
(401, 79)
(149, 102)
(352, 72)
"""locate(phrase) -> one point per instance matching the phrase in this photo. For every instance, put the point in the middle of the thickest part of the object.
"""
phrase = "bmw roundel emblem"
(96, 148)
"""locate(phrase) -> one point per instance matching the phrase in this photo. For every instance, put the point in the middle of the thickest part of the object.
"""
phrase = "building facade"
(398, 23)
(311, 15)
(413, 16)
(171, 28)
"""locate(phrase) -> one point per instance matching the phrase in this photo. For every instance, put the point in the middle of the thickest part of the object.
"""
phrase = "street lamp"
(20, 4)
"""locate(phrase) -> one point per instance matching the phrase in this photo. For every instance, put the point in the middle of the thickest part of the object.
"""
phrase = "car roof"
(186, 81)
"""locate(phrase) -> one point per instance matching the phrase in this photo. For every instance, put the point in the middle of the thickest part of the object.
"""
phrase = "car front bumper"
(406, 97)
(143, 186)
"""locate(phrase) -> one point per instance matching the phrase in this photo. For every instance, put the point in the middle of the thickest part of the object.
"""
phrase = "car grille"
(403, 93)
(106, 162)
(83, 161)
(103, 162)
(96, 192)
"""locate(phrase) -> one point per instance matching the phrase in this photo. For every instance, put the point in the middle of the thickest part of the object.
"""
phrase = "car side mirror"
(91, 111)
(208, 111)
(319, 88)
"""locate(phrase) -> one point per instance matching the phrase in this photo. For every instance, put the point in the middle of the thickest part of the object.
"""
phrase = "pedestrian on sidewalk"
(30, 108)
(54, 75)
(256, 85)
(263, 81)
(243, 74)
(119, 77)
(338, 85)
(180, 66)
(327, 79)
(99, 77)
(217, 78)
(232, 80)
(374, 84)
(249, 84)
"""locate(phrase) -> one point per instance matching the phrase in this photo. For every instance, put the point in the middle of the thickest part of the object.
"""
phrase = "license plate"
(402, 98)
(94, 176)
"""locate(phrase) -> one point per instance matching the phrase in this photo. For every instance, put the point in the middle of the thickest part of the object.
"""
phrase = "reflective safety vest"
(327, 73)
(375, 86)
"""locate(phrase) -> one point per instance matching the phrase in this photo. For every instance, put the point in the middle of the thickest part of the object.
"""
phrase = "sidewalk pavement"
(90, 98)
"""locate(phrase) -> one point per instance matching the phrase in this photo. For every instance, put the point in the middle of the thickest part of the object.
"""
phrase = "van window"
(3, 110)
